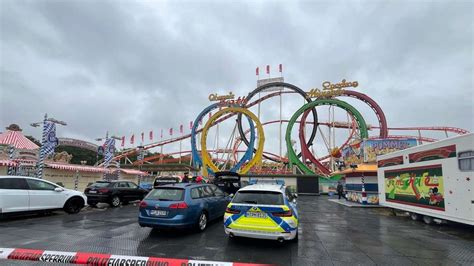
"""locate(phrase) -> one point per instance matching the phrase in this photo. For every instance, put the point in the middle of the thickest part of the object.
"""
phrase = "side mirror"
(58, 189)
(295, 195)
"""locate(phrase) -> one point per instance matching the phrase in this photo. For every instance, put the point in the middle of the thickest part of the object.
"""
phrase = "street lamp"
(40, 166)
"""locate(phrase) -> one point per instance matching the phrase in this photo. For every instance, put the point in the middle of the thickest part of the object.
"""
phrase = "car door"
(135, 192)
(123, 190)
(43, 196)
(221, 200)
(212, 202)
(14, 196)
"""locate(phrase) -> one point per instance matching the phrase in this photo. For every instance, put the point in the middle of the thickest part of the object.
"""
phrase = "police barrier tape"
(97, 259)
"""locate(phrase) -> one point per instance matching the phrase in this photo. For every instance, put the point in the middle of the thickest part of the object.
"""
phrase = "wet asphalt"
(330, 234)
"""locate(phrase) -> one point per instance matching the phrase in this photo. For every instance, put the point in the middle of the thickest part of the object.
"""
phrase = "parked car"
(28, 194)
(229, 182)
(165, 180)
(114, 192)
(182, 205)
(266, 211)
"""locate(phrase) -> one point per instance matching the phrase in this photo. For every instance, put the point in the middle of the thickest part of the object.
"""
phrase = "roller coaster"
(255, 158)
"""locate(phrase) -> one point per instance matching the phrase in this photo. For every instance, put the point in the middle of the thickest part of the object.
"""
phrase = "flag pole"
(104, 177)
(39, 173)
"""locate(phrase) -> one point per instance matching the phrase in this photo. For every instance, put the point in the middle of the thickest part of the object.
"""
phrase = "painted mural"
(418, 186)
(367, 151)
(356, 196)
(372, 148)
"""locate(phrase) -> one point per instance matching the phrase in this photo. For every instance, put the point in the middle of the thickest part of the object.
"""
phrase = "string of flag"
(267, 70)
(151, 135)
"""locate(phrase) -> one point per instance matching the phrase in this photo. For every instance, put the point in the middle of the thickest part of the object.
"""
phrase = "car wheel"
(115, 202)
(73, 206)
(202, 222)
(414, 216)
(428, 219)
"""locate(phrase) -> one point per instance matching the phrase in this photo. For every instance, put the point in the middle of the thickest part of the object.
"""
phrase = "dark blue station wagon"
(182, 205)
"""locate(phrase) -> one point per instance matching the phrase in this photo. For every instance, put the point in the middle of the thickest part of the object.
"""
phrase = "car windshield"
(171, 194)
(259, 197)
(100, 184)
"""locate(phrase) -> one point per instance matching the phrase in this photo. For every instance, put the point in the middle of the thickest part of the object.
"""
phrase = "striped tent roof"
(17, 140)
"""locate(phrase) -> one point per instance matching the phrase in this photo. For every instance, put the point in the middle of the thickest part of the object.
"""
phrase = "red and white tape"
(98, 259)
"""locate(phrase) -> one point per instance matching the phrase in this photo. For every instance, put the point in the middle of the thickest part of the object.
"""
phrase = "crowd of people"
(195, 179)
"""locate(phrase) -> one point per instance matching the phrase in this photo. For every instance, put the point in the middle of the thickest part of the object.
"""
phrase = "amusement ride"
(319, 142)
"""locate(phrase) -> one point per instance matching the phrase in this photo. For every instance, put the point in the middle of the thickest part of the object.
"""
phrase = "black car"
(114, 192)
(227, 181)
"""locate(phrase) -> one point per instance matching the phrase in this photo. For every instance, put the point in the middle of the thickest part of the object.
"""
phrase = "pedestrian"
(185, 178)
(340, 189)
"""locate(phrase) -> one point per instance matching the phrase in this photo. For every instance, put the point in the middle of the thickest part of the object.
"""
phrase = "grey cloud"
(129, 67)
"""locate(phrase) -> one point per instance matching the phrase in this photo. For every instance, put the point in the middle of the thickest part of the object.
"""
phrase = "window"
(171, 194)
(207, 191)
(39, 185)
(132, 185)
(196, 193)
(13, 183)
(259, 197)
(466, 160)
(217, 192)
(122, 185)
(100, 184)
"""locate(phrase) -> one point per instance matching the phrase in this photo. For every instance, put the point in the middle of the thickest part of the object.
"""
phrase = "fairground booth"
(359, 171)
(19, 156)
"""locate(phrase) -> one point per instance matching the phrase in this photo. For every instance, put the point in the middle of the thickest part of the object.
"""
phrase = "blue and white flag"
(109, 150)
(51, 140)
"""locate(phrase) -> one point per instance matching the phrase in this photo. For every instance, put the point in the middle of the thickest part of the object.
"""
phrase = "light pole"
(40, 165)
(76, 179)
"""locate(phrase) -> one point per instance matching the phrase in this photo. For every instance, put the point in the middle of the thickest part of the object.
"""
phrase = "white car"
(28, 194)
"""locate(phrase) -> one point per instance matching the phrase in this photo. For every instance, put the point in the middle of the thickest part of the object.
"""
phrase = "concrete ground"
(330, 234)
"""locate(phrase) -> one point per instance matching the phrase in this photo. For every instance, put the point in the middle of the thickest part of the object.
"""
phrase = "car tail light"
(179, 205)
(103, 190)
(288, 213)
(143, 204)
(233, 211)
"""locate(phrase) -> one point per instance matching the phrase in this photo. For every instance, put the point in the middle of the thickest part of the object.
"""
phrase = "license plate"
(256, 215)
(92, 192)
(158, 213)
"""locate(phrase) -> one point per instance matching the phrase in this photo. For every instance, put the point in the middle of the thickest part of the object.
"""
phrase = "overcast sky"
(128, 67)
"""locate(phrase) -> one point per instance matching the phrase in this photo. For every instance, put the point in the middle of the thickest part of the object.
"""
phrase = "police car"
(266, 211)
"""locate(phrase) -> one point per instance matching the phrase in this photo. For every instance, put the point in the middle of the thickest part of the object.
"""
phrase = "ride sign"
(330, 90)
(226, 99)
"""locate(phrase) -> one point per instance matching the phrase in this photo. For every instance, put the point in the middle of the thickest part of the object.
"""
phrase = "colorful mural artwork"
(434, 154)
(372, 148)
(390, 162)
(356, 196)
(367, 151)
(418, 186)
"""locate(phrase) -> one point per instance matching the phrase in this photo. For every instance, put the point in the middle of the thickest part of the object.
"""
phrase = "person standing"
(339, 189)
(185, 178)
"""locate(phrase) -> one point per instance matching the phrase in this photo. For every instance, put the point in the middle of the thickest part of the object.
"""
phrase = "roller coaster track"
(455, 130)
